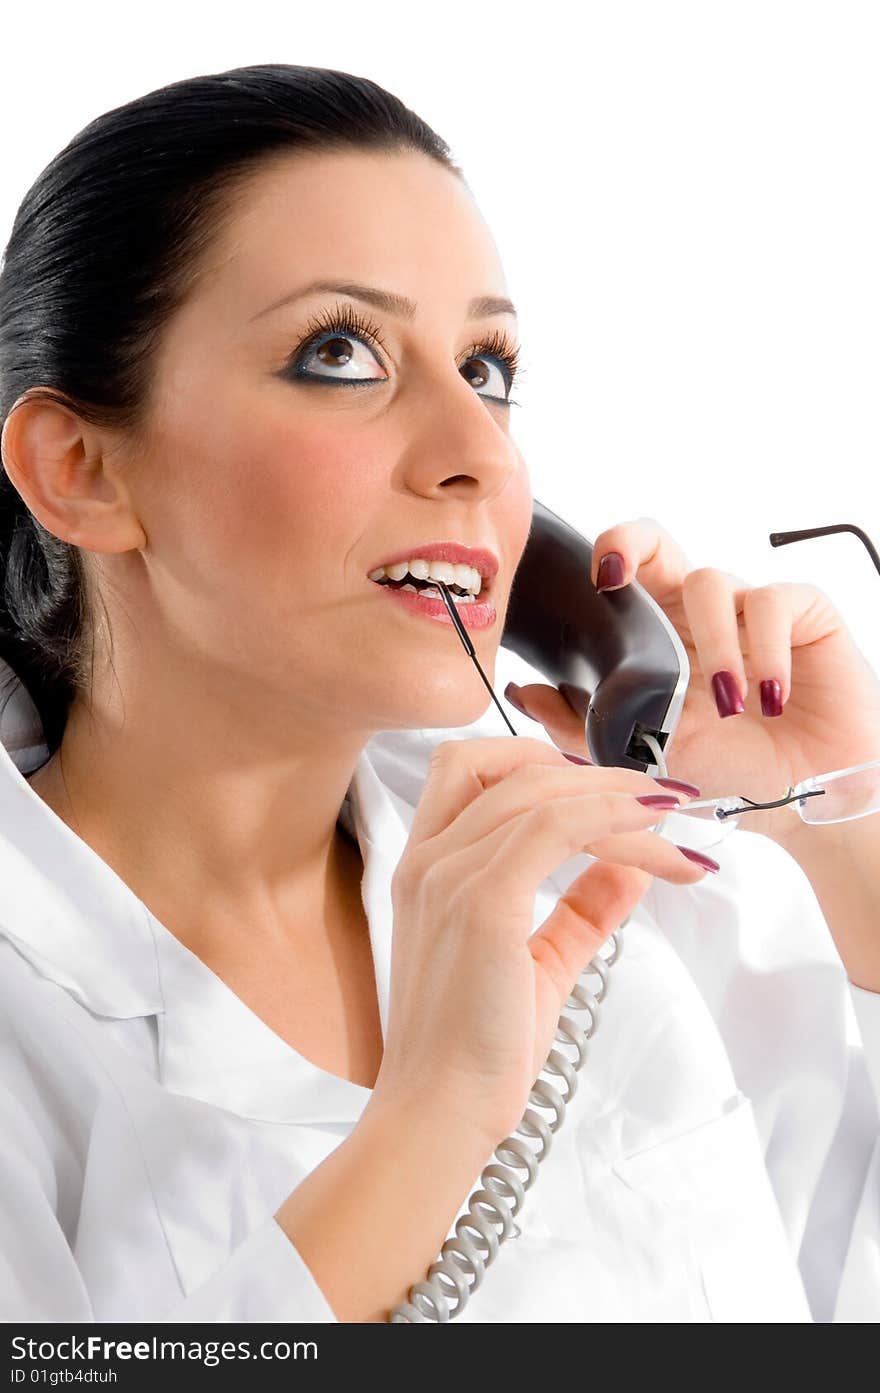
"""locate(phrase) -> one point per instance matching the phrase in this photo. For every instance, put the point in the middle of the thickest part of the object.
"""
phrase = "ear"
(63, 470)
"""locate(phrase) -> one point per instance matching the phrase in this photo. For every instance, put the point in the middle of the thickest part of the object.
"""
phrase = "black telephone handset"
(615, 657)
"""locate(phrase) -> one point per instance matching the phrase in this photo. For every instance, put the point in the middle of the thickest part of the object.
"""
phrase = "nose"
(461, 441)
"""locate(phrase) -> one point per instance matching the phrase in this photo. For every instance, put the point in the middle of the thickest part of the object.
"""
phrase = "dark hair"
(105, 246)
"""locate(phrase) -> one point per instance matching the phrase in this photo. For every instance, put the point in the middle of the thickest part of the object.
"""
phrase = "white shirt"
(718, 1162)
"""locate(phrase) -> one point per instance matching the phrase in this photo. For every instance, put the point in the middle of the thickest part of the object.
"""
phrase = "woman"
(227, 1100)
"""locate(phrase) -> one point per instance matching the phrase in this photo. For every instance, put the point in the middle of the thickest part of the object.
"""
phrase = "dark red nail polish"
(771, 698)
(727, 695)
(659, 800)
(610, 571)
(699, 858)
(510, 694)
(690, 789)
(575, 759)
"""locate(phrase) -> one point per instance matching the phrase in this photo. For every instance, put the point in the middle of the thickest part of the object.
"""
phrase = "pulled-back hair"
(105, 246)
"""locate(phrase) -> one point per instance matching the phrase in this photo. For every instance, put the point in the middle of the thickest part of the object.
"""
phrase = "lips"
(480, 558)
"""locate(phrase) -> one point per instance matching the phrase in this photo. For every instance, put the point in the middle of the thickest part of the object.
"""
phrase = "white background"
(685, 198)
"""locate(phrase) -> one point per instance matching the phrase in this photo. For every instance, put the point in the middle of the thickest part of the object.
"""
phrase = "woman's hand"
(823, 715)
(475, 993)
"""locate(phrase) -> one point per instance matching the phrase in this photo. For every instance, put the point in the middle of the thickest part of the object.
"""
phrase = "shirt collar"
(64, 908)
(75, 919)
(214, 1048)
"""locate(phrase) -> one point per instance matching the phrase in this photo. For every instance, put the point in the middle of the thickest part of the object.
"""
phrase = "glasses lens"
(846, 795)
(698, 826)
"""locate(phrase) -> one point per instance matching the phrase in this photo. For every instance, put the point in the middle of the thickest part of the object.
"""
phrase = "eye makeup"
(346, 320)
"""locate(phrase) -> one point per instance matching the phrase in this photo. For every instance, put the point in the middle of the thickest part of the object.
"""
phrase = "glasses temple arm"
(781, 539)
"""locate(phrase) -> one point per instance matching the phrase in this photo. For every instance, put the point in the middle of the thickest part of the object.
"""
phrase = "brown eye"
(339, 351)
(335, 351)
(476, 377)
(335, 339)
(476, 372)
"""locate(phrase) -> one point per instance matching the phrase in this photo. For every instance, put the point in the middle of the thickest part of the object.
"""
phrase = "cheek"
(285, 507)
(516, 515)
(304, 490)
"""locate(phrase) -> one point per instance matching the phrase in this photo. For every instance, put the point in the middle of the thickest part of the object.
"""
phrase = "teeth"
(465, 577)
(397, 571)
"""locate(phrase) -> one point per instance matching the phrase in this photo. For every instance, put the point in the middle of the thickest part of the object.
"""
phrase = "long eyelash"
(345, 318)
(499, 345)
(342, 317)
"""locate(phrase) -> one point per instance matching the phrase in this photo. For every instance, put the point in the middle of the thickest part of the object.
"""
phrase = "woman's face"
(266, 497)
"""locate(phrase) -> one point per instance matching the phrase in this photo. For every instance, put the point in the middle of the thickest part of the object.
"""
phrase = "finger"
(548, 706)
(646, 552)
(597, 902)
(767, 616)
(652, 853)
(712, 600)
(528, 787)
(510, 862)
(802, 614)
(593, 906)
(462, 771)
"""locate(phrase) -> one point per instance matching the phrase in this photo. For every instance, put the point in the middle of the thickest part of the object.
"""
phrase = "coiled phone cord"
(477, 1236)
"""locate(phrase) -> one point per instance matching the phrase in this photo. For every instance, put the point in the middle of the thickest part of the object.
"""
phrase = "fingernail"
(690, 789)
(511, 693)
(727, 697)
(576, 759)
(659, 800)
(697, 856)
(771, 698)
(610, 571)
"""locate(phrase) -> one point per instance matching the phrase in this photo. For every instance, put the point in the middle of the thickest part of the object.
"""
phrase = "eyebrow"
(479, 308)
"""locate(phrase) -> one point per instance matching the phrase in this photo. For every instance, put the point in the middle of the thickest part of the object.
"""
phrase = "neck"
(224, 834)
